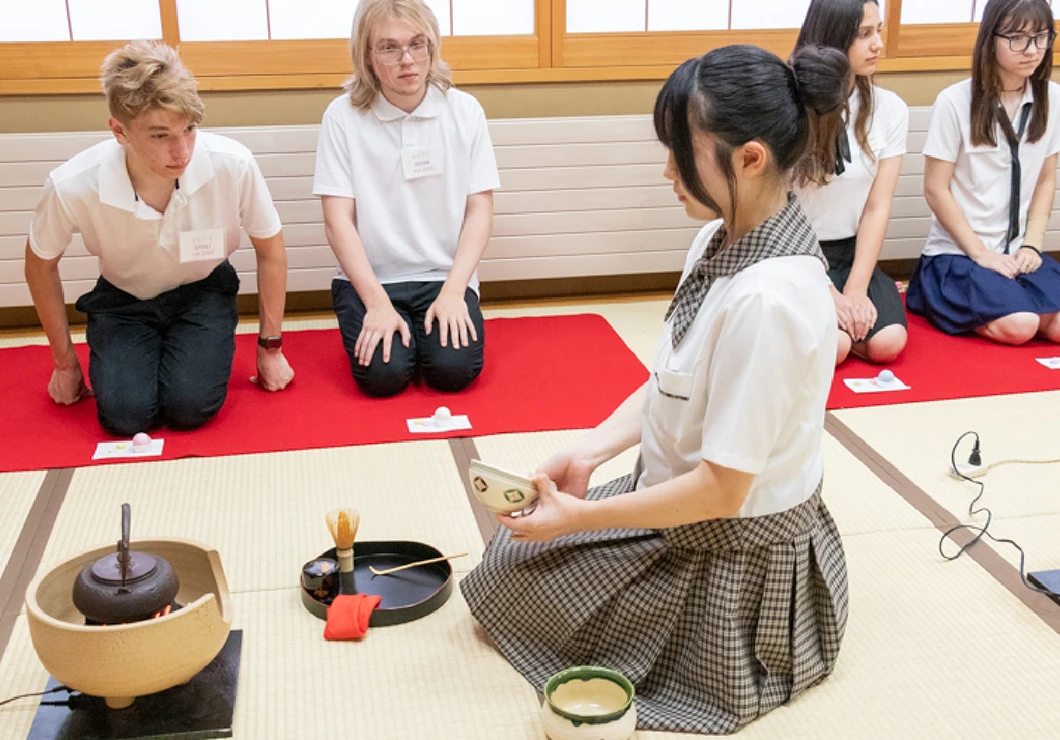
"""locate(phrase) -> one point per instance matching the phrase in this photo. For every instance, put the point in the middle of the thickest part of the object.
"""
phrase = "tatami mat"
(265, 513)
(1039, 536)
(918, 438)
(434, 678)
(438, 677)
(1025, 499)
(638, 322)
(859, 501)
(21, 341)
(20, 673)
(18, 491)
(932, 650)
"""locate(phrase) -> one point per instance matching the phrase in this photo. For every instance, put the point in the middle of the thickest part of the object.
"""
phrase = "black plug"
(974, 458)
(74, 702)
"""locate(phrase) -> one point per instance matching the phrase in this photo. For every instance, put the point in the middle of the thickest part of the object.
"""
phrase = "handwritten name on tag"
(417, 162)
(205, 244)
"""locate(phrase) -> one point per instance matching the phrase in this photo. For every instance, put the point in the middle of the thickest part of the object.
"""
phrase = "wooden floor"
(933, 648)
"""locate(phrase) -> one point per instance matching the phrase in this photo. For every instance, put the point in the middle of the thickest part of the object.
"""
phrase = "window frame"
(940, 47)
(73, 66)
(548, 55)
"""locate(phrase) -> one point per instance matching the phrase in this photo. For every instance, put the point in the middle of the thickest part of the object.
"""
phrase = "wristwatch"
(274, 342)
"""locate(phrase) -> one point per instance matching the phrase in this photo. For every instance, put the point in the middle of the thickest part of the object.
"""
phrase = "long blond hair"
(145, 75)
(363, 85)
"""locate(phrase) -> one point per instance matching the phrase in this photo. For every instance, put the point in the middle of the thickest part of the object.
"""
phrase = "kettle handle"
(123, 543)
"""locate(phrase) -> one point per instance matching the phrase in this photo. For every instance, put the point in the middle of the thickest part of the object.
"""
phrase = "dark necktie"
(1013, 138)
(842, 150)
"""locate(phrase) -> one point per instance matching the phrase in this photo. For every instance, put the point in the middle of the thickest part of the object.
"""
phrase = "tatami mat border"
(989, 559)
(464, 451)
(29, 549)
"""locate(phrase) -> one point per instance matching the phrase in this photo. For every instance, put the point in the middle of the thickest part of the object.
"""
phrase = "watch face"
(270, 342)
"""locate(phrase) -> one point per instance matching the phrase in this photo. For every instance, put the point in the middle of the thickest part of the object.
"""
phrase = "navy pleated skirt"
(956, 295)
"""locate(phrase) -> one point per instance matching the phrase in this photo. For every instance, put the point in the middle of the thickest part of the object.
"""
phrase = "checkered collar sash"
(785, 234)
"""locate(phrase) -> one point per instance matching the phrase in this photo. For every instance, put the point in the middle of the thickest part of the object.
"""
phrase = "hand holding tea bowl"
(555, 514)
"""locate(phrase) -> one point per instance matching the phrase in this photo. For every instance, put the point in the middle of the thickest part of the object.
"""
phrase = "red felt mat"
(937, 367)
(541, 373)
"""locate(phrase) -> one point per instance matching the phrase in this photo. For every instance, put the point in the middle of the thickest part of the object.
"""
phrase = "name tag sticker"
(205, 244)
(423, 161)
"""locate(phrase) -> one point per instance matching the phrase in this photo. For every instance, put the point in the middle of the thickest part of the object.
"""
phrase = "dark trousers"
(445, 369)
(165, 360)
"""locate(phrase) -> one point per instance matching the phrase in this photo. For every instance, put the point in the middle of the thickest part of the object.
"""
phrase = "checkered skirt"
(716, 623)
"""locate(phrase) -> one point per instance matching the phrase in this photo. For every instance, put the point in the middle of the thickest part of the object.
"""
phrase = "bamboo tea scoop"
(413, 565)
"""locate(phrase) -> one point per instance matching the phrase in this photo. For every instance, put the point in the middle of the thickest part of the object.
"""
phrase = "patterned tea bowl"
(589, 703)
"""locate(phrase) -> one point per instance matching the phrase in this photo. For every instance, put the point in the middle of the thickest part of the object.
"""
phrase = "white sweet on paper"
(141, 442)
(885, 376)
(442, 413)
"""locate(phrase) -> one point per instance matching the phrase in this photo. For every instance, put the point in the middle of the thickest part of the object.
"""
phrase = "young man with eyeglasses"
(405, 169)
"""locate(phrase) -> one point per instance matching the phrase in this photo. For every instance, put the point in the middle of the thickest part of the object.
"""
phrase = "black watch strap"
(1028, 246)
(273, 342)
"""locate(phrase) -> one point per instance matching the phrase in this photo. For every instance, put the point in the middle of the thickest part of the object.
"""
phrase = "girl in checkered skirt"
(713, 576)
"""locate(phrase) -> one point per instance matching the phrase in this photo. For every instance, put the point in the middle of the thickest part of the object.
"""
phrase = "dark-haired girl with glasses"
(990, 179)
(851, 212)
(713, 576)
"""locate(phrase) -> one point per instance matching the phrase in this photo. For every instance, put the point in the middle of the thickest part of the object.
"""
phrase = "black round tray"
(407, 595)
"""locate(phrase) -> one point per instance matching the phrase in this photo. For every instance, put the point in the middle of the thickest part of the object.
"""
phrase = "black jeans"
(445, 369)
(165, 360)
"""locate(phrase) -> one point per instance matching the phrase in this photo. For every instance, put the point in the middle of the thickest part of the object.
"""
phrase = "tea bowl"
(589, 703)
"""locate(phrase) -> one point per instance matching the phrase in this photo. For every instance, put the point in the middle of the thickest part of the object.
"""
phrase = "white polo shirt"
(138, 248)
(835, 210)
(746, 387)
(982, 174)
(409, 225)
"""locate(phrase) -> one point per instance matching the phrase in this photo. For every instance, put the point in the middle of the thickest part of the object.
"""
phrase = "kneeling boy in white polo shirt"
(160, 206)
(406, 171)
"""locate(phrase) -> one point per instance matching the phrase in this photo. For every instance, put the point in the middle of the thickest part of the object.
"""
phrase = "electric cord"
(1013, 461)
(75, 701)
(38, 693)
(981, 532)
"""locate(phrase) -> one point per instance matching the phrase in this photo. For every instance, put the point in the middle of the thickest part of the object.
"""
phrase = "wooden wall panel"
(580, 196)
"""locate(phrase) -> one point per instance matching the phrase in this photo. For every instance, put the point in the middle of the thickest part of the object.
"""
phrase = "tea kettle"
(125, 586)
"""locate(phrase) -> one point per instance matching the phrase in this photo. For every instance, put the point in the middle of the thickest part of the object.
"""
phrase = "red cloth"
(348, 616)
(938, 367)
(540, 374)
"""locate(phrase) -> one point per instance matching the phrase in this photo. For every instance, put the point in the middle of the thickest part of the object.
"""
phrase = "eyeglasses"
(391, 55)
(1020, 42)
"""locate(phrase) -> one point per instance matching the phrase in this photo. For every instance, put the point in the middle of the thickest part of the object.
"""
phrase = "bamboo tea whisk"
(343, 524)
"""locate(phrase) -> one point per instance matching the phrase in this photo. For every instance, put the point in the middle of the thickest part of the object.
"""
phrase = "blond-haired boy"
(160, 206)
